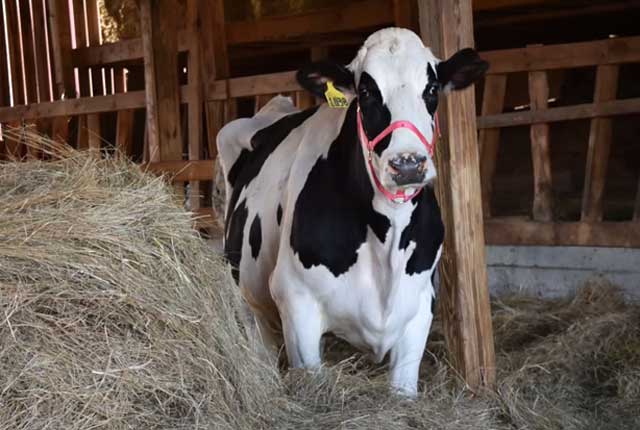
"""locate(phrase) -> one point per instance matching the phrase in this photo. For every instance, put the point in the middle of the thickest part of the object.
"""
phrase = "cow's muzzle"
(408, 168)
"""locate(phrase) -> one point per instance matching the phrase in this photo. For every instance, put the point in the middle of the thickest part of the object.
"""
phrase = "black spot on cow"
(375, 114)
(264, 142)
(255, 237)
(334, 211)
(279, 214)
(431, 90)
(234, 237)
(425, 229)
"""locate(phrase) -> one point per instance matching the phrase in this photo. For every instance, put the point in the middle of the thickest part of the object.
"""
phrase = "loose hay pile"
(115, 314)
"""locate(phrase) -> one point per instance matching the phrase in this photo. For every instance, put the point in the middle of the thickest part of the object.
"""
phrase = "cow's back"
(256, 155)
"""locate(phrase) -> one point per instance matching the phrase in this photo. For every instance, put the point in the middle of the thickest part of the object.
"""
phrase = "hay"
(115, 314)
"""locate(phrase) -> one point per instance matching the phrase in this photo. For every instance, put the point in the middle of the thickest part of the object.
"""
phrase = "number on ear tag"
(335, 98)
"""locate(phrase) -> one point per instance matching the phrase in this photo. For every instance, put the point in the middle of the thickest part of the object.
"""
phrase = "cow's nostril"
(408, 168)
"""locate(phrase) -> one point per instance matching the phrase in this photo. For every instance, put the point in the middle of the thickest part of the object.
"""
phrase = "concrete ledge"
(550, 271)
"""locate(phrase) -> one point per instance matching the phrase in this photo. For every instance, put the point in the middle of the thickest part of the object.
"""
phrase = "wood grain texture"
(196, 99)
(28, 52)
(600, 136)
(160, 47)
(42, 67)
(489, 139)
(60, 40)
(508, 231)
(447, 26)
(13, 47)
(540, 152)
(565, 113)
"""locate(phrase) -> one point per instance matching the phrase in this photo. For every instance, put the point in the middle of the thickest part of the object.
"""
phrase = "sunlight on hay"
(115, 314)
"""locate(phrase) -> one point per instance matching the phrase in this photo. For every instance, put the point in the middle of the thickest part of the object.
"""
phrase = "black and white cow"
(332, 224)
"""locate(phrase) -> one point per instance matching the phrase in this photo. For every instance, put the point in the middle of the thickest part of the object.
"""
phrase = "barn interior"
(558, 172)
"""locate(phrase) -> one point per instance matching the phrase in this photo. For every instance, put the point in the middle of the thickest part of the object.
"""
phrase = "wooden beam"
(60, 39)
(600, 137)
(4, 75)
(124, 131)
(42, 66)
(15, 64)
(510, 231)
(564, 56)
(183, 171)
(447, 26)
(489, 138)
(541, 158)
(160, 46)
(360, 15)
(194, 116)
(85, 105)
(565, 113)
(28, 52)
(253, 85)
(215, 66)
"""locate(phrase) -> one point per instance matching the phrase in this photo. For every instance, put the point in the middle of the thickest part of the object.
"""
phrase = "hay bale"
(115, 315)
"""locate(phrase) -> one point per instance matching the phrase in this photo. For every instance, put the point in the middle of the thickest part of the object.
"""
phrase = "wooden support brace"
(42, 67)
(542, 190)
(28, 55)
(13, 44)
(447, 26)
(160, 47)
(489, 139)
(600, 137)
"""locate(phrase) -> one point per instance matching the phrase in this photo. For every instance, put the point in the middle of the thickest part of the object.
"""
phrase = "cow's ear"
(314, 77)
(461, 70)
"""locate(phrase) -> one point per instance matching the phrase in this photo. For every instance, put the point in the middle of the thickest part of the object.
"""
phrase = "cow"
(332, 224)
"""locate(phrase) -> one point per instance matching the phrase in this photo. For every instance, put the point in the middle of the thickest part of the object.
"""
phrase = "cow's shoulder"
(333, 210)
(426, 230)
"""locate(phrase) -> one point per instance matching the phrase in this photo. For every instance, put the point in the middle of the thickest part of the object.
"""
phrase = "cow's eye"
(430, 97)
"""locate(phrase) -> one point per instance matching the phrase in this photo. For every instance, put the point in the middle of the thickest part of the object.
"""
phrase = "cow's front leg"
(302, 328)
(407, 353)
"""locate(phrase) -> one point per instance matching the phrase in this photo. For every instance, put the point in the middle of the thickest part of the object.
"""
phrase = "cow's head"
(396, 81)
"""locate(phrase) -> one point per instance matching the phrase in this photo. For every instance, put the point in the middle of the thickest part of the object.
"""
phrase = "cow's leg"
(407, 353)
(302, 329)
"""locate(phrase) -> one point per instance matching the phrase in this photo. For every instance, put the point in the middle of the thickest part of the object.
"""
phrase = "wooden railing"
(45, 95)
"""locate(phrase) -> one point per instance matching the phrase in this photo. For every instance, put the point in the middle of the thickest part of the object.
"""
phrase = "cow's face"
(396, 78)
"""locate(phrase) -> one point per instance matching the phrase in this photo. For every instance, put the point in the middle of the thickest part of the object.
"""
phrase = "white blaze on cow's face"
(395, 77)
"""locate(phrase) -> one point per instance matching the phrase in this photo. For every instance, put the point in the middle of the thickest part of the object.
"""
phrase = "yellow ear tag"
(335, 98)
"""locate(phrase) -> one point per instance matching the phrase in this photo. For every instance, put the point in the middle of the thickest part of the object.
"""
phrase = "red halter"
(399, 196)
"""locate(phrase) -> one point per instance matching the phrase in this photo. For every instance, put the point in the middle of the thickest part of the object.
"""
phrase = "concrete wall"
(557, 271)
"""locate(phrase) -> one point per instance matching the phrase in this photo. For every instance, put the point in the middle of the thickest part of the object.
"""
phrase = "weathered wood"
(60, 40)
(160, 46)
(564, 56)
(93, 39)
(183, 171)
(15, 64)
(347, 17)
(540, 155)
(124, 131)
(489, 139)
(28, 52)
(194, 70)
(565, 113)
(4, 75)
(84, 105)
(447, 26)
(510, 231)
(253, 86)
(93, 134)
(42, 66)
(82, 39)
(403, 14)
(215, 66)
(600, 137)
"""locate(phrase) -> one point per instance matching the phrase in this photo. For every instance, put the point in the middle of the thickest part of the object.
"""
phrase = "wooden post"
(489, 138)
(28, 56)
(42, 67)
(542, 191)
(215, 65)
(124, 119)
(160, 47)
(82, 40)
(13, 43)
(600, 137)
(196, 91)
(60, 39)
(447, 26)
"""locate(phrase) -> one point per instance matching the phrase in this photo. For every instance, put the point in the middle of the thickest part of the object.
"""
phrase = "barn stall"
(547, 162)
